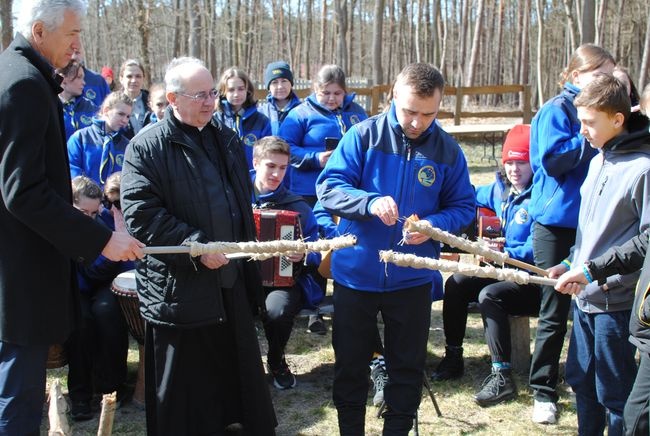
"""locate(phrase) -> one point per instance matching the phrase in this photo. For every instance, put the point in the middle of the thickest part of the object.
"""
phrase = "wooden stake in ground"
(56, 413)
(503, 274)
(108, 413)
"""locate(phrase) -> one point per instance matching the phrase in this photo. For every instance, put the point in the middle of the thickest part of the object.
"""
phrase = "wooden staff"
(57, 411)
(255, 249)
(108, 414)
(490, 272)
(425, 227)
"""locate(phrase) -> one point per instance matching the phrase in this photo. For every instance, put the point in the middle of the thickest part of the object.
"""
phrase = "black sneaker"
(282, 376)
(316, 325)
(497, 387)
(81, 411)
(451, 366)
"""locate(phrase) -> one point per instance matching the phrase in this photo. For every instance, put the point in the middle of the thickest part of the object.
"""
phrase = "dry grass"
(308, 409)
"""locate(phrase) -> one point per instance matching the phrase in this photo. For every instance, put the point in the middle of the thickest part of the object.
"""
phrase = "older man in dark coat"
(184, 180)
(40, 232)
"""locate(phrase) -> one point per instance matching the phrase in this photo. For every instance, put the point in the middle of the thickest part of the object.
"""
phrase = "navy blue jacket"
(249, 124)
(427, 176)
(516, 223)
(77, 114)
(276, 116)
(559, 157)
(306, 128)
(96, 88)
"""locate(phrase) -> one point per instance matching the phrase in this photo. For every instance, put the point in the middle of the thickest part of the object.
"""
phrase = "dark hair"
(223, 85)
(605, 93)
(327, 75)
(587, 57)
(268, 145)
(634, 93)
(424, 78)
(70, 71)
(131, 63)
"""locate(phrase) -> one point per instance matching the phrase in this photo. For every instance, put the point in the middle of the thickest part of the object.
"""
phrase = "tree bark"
(5, 23)
(588, 22)
(377, 37)
(645, 58)
(540, 39)
(478, 28)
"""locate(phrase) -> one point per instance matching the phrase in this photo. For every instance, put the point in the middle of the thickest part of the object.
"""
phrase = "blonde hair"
(587, 57)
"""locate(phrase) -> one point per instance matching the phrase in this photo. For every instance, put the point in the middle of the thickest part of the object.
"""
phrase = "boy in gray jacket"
(600, 364)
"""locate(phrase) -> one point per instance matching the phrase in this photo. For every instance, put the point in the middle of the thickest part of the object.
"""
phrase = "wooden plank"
(470, 129)
(493, 114)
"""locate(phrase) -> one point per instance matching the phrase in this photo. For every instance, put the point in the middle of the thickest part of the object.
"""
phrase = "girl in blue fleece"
(97, 151)
(559, 156)
(327, 113)
(237, 109)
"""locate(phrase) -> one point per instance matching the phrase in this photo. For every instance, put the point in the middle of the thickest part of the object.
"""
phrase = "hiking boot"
(282, 376)
(497, 387)
(316, 325)
(379, 378)
(451, 366)
(544, 412)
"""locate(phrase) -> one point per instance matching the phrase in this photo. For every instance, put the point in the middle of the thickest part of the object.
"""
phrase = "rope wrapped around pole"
(257, 250)
(490, 272)
(479, 248)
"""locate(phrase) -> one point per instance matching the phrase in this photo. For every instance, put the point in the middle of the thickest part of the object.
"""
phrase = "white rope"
(266, 249)
(502, 274)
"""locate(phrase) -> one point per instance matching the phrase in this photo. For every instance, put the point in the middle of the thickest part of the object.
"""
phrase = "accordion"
(273, 225)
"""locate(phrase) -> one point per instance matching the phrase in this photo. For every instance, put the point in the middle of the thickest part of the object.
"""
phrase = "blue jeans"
(600, 368)
(22, 388)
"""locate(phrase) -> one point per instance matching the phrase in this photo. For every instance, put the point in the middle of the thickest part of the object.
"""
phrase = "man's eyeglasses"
(202, 96)
(107, 203)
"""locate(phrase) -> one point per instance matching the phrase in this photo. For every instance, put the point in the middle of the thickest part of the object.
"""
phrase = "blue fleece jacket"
(276, 116)
(77, 114)
(559, 156)
(94, 153)
(516, 223)
(306, 128)
(249, 123)
(426, 176)
(96, 88)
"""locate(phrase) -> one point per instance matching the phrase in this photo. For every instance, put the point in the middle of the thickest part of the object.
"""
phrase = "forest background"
(473, 42)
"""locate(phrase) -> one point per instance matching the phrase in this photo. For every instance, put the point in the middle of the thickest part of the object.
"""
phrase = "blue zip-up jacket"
(427, 176)
(96, 88)
(96, 154)
(249, 124)
(77, 114)
(559, 157)
(276, 116)
(516, 223)
(306, 128)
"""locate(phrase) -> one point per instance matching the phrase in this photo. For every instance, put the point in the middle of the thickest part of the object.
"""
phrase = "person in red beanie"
(107, 74)
(508, 196)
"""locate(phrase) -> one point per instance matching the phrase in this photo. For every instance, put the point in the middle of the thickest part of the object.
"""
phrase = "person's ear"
(37, 31)
(171, 97)
(619, 120)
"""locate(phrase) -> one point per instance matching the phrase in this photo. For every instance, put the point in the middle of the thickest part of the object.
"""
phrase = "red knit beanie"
(106, 72)
(517, 144)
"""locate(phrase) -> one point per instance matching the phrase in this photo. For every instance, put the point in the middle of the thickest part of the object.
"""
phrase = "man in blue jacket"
(393, 165)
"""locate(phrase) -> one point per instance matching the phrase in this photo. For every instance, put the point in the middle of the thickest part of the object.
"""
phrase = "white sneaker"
(544, 412)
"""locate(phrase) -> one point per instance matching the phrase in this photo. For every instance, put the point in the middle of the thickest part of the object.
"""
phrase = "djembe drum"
(124, 289)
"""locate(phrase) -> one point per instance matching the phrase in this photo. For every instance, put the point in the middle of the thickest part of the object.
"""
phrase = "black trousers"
(97, 351)
(637, 407)
(407, 316)
(497, 300)
(550, 246)
(282, 306)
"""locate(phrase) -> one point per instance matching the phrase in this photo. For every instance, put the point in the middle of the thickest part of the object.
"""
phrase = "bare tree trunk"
(443, 52)
(524, 53)
(341, 9)
(377, 35)
(540, 38)
(308, 35)
(478, 27)
(571, 24)
(498, 79)
(602, 18)
(5, 23)
(323, 32)
(645, 58)
(588, 22)
(616, 49)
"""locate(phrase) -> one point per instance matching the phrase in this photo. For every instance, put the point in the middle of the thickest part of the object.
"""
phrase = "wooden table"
(490, 133)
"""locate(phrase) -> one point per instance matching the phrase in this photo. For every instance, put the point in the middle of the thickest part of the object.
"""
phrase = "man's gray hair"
(173, 80)
(49, 12)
